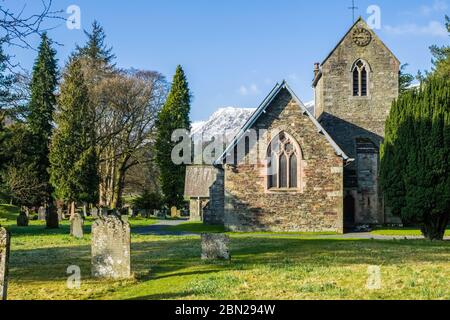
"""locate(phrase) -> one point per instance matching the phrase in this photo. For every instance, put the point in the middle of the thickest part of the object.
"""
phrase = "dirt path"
(159, 229)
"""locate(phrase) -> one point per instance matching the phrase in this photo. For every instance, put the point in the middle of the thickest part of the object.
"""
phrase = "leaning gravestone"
(42, 212)
(76, 226)
(22, 219)
(4, 260)
(215, 247)
(111, 242)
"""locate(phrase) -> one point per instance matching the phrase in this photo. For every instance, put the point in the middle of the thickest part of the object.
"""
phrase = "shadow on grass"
(162, 258)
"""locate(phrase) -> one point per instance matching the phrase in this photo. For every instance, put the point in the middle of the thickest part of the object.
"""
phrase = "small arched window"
(360, 73)
(284, 157)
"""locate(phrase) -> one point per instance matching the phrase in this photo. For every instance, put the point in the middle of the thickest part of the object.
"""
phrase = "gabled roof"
(360, 19)
(262, 108)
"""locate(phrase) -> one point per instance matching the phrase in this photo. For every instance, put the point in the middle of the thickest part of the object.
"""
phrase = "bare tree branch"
(17, 27)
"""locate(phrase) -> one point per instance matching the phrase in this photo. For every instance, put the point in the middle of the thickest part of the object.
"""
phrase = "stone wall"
(214, 211)
(347, 118)
(249, 206)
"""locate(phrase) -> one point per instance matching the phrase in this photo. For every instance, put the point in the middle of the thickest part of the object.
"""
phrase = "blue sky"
(234, 51)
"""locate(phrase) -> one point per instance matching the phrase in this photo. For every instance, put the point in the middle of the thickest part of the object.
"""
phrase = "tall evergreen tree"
(405, 79)
(6, 81)
(415, 170)
(174, 115)
(41, 107)
(95, 48)
(73, 156)
(441, 56)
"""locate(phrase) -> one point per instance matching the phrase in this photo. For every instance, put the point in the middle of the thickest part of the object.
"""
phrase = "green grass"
(199, 227)
(262, 267)
(8, 213)
(195, 227)
(404, 232)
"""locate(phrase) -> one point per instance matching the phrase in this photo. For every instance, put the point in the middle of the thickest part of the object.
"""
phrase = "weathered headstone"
(131, 212)
(174, 212)
(94, 213)
(111, 242)
(215, 247)
(4, 260)
(22, 219)
(42, 212)
(51, 217)
(76, 226)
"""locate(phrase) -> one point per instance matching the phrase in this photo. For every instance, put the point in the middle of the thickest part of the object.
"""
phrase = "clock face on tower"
(362, 37)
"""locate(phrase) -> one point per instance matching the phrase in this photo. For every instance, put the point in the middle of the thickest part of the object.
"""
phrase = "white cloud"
(437, 6)
(249, 90)
(434, 28)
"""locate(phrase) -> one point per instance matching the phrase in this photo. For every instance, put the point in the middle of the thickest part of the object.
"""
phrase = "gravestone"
(51, 217)
(174, 212)
(215, 247)
(131, 212)
(42, 212)
(22, 219)
(111, 242)
(4, 260)
(94, 213)
(76, 226)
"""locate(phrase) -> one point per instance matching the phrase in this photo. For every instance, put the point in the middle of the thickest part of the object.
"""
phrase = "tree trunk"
(434, 229)
(120, 186)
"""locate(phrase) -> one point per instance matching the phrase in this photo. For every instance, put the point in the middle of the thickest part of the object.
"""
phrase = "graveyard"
(262, 266)
(142, 159)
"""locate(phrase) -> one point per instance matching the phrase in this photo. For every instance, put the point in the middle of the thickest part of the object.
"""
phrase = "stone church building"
(320, 168)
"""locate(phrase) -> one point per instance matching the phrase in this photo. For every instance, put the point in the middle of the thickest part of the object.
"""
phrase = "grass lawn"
(199, 227)
(272, 267)
(402, 232)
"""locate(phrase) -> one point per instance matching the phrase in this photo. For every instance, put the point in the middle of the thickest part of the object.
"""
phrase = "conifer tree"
(441, 56)
(415, 170)
(41, 107)
(73, 156)
(174, 115)
(95, 48)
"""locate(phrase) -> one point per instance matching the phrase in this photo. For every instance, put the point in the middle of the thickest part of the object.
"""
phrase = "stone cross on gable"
(353, 8)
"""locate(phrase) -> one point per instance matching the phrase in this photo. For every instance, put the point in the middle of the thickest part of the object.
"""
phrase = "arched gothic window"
(360, 73)
(284, 158)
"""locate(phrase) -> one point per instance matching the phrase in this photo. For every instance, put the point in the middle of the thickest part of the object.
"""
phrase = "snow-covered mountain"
(226, 122)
